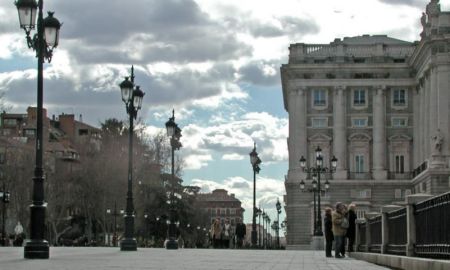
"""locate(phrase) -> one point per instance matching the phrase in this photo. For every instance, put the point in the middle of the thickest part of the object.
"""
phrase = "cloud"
(414, 3)
(233, 156)
(261, 73)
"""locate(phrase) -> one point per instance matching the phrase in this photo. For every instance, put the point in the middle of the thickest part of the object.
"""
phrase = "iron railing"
(396, 223)
(433, 227)
(422, 167)
(375, 234)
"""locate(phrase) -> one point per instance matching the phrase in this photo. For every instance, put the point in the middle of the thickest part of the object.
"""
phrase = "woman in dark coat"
(352, 226)
(328, 232)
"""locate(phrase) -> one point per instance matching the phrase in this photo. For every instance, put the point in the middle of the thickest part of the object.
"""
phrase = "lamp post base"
(317, 243)
(128, 244)
(171, 244)
(36, 249)
(254, 239)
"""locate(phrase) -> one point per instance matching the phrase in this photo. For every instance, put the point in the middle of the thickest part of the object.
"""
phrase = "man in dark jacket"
(352, 226)
(240, 233)
(328, 232)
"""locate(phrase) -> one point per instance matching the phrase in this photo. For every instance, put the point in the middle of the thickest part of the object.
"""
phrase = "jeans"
(338, 243)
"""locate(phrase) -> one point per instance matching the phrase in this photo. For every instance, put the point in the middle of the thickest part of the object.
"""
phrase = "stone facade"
(221, 205)
(381, 106)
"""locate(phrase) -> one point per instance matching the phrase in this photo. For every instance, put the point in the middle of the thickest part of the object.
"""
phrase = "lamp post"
(264, 216)
(268, 231)
(43, 42)
(255, 161)
(132, 96)
(115, 214)
(5, 195)
(174, 132)
(317, 170)
(259, 213)
(278, 205)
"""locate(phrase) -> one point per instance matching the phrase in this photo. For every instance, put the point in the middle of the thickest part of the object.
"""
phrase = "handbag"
(344, 223)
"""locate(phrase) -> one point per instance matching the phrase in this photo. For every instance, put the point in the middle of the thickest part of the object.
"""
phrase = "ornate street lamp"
(43, 42)
(174, 132)
(255, 161)
(317, 170)
(132, 97)
(278, 206)
(259, 213)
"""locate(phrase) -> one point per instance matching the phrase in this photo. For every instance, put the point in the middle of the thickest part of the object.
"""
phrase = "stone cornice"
(292, 84)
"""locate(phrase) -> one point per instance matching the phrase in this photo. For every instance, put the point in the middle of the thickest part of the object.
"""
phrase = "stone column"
(411, 222)
(427, 119)
(443, 84)
(416, 127)
(297, 127)
(339, 133)
(379, 135)
(384, 226)
(433, 109)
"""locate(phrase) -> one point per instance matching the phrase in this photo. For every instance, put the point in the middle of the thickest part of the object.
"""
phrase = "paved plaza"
(69, 258)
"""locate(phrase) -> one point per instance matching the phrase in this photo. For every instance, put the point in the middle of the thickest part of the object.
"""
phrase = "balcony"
(360, 175)
(400, 176)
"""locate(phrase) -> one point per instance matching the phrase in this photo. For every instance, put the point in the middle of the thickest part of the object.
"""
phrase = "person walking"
(339, 230)
(216, 232)
(344, 225)
(351, 231)
(328, 232)
(226, 234)
(241, 231)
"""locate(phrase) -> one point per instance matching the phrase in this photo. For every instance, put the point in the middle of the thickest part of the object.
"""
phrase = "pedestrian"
(226, 234)
(328, 232)
(339, 228)
(240, 233)
(351, 226)
(216, 231)
(344, 225)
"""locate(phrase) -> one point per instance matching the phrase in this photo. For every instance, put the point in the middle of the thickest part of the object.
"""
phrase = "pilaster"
(339, 133)
(379, 134)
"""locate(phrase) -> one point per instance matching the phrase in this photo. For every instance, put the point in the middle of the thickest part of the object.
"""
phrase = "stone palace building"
(381, 106)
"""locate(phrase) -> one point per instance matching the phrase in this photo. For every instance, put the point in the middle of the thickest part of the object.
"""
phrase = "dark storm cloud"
(415, 3)
(164, 30)
(253, 73)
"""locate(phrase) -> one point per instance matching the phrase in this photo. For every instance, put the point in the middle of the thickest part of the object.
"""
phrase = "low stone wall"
(402, 262)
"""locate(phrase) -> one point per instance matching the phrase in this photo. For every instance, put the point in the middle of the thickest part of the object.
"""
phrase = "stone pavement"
(62, 258)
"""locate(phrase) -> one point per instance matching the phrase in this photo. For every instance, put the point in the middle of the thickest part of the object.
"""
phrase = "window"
(359, 97)
(361, 214)
(233, 211)
(10, 122)
(399, 121)
(319, 122)
(399, 164)
(319, 97)
(398, 193)
(83, 132)
(399, 98)
(29, 132)
(359, 163)
(359, 122)
(2, 158)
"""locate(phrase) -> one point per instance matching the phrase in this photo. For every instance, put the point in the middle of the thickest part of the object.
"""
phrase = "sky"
(217, 63)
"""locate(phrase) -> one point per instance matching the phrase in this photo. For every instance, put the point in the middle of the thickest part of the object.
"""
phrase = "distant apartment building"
(219, 204)
(381, 106)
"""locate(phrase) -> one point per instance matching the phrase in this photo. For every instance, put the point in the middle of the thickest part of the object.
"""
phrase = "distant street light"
(115, 214)
(43, 43)
(255, 161)
(277, 227)
(4, 195)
